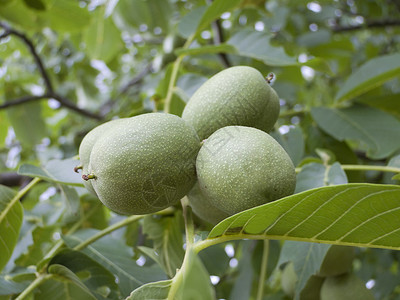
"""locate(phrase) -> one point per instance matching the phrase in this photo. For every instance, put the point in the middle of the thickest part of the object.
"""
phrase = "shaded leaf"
(11, 215)
(256, 44)
(190, 21)
(292, 142)
(217, 8)
(95, 276)
(9, 286)
(307, 259)
(338, 214)
(243, 283)
(59, 171)
(370, 75)
(64, 285)
(117, 257)
(377, 130)
(102, 38)
(314, 175)
(167, 240)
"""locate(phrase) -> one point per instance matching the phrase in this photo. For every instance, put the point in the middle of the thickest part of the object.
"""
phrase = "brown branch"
(367, 25)
(32, 50)
(218, 39)
(13, 179)
(60, 99)
(49, 87)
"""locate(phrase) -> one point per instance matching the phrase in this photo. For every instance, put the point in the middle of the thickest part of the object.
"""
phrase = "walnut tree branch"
(50, 93)
(367, 25)
(60, 99)
(218, 39)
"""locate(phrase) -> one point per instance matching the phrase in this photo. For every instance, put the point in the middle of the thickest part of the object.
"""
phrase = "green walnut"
(204, 208)
(338, 260)
(242, 167)
(87, 144)
(144, 164)
(235, 96)
(345, 287)
(311, 290)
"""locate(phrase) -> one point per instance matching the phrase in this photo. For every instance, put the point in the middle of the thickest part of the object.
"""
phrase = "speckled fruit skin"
(203, 208)
(145, 164)
(345, 287)
(235, 96)
(242, 167)
(338, 260)
(87, 144)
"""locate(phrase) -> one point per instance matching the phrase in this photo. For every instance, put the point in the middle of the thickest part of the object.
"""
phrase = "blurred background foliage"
(67, 66)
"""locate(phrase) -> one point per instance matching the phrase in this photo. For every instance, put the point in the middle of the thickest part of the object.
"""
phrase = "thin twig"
(219, 39)
(60, 99)
(50, 93)
(367, 25)
(32, 50)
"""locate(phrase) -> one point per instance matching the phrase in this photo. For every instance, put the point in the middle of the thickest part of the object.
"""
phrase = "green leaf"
(307, 259)
(155, 290)
(9, 286)
(71, 203)
(256, 44)
(364, 215)
(292, 142)
(93, 275)
(11, 215)
(190, 21)
(370, 75)
(166, 235)
(153, 13)
(64, 285)
(314, 175)
(216, 9)
(26, 120)
(116, 257)
(243, 283)
(377, 130)
(59, 171)
(196, 280)
(208, 49)
(389, 103)
(102, 38)
(66, 16)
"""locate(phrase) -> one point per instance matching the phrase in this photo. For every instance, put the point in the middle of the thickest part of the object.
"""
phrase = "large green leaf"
(256, 44)
(364, 215)
(11, 215)
(59, 171)
(167, 240)
(378, 131)
(370, 75)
